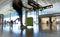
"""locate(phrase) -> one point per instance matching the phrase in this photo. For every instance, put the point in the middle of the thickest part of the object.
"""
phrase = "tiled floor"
(7, 31)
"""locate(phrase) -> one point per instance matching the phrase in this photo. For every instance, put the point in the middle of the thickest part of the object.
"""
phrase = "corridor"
(45, 20)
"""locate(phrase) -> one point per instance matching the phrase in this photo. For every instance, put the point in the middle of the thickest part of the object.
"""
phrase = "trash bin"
(29, 21)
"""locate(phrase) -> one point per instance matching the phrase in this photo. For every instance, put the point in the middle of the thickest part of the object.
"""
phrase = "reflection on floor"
(32, 32)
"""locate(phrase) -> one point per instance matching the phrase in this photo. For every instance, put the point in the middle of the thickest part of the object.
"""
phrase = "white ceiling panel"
(6, 5)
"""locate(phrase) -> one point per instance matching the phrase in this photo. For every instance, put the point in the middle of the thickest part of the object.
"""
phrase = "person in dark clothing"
(51, 25)
(17, 5)
(47, 23)
(11, 23)
(50, 19)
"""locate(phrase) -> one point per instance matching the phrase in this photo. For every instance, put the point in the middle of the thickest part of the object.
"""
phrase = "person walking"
(18, 5)
(11, 23)
(50, 19)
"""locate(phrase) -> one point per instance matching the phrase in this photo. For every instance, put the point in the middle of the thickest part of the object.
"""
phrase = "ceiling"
(43, 2)
(6, 5)
(47, 2)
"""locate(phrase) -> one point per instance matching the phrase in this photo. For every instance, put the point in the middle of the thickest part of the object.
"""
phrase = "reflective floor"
(8, 31)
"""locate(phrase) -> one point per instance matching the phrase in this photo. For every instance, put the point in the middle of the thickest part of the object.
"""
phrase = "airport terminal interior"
(43, 20)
